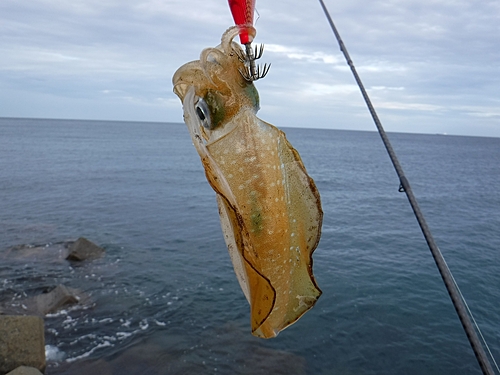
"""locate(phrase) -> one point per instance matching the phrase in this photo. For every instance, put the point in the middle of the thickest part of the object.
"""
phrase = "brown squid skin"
(269, 207)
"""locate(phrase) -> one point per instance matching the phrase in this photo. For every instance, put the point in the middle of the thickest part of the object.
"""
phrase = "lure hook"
(253, 72)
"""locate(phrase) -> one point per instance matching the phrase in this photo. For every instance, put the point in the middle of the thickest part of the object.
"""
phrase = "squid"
(269, 207)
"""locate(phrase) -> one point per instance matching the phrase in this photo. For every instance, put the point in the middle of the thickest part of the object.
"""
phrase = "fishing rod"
(405, 187)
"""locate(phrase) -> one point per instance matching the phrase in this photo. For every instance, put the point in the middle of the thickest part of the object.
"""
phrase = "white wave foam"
(124, 335)
(52, 353)
(84, 355)
(126, 323)
(91, 336)
(143, 324)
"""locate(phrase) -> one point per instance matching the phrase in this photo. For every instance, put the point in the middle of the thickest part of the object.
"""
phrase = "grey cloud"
(60, 59)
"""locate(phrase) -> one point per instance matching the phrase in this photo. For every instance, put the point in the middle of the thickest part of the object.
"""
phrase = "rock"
(83, 249)
(48, 253)
(22, 343)
(46, 303)
(25, 370)
(56, 299)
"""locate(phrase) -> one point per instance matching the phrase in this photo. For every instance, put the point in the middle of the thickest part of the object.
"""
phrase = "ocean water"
(164, 299)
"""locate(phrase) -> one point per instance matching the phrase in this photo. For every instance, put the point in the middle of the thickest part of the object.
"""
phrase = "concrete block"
(25, 370)
(22, 343)
(53, 301)
(83, 249)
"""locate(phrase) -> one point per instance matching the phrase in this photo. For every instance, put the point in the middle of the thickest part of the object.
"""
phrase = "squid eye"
(203, 113)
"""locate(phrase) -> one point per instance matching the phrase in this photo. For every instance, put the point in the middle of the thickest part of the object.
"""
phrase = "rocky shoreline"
(22, 336)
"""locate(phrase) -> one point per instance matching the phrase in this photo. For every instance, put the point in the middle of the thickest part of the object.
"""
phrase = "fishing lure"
(269, 207)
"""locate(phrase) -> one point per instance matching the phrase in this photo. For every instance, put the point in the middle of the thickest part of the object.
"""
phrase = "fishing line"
(475, 323)
(451, 286)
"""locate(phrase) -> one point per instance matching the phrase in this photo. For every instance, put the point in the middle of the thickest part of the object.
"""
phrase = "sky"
(429, 66)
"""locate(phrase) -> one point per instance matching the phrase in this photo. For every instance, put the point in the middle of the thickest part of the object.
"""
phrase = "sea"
(164, 299)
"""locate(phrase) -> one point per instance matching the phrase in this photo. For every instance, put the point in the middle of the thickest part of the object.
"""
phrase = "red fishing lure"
(242, 11)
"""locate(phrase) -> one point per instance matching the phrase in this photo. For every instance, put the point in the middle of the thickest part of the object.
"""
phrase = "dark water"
(165, 299)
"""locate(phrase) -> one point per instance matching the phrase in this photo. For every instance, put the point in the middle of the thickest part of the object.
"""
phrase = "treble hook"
(253, 72)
